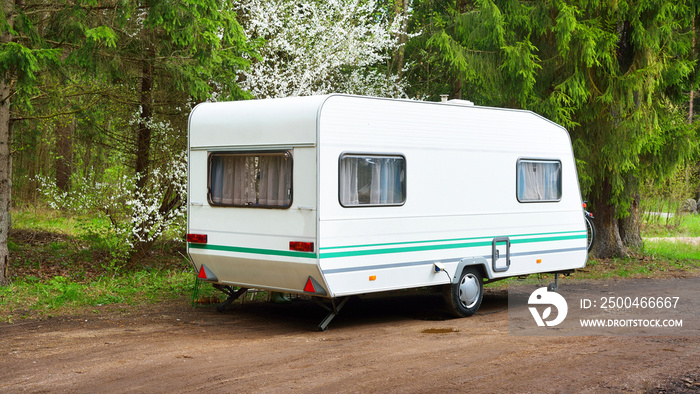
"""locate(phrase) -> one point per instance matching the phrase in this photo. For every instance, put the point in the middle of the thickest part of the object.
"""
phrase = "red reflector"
(206, 274)
(301, 246)
(309, 288)
(197, 238)
(202, 274)
(585, 205)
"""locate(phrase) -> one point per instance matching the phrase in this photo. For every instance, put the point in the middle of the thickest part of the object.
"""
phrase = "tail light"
(301, 246)
(197, 238)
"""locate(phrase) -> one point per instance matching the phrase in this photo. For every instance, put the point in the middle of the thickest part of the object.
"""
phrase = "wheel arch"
(479, 263)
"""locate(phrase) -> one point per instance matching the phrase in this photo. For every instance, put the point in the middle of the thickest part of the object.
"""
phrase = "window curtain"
(390, 183)
(552, 185)
(348, 180)
(371, 180)
(539, 181)
(275, 180)
(233, 180)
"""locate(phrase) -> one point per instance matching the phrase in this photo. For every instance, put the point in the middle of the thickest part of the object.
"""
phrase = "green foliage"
(661, 202)
(189, 50)
(23, 64)
(615, 74)
(102, 35)
(521, 66)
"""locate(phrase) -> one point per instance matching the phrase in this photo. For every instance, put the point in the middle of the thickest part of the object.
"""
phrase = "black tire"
(590, 230)
(464, 297)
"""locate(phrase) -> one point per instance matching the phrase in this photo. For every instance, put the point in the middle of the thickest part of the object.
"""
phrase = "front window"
(539, 180)
(262, 180)
(372, 180)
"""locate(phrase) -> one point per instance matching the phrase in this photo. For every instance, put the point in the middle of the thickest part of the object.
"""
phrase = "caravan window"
(538, 180)
(257, 180)
(372, 180)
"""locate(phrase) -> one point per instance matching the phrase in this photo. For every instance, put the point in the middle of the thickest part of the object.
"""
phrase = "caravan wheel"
(464, 297)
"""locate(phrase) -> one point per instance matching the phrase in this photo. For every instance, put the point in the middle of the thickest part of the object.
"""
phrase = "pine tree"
(603, 70)
(145, 59)
(157, 59)
(22, 56)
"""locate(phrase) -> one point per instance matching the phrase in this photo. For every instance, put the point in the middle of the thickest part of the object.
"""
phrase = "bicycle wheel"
(590, 230)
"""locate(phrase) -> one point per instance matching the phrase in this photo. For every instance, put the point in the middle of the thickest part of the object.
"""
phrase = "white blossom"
(136, 214)
(318, 47)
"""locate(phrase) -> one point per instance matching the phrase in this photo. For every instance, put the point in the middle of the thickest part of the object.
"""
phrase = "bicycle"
(590, 228)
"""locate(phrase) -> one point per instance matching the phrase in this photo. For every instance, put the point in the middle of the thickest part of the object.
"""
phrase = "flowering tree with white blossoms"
(317, 47)
(138, 218)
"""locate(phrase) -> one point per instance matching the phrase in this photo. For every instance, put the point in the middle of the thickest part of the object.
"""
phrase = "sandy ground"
(391, 344)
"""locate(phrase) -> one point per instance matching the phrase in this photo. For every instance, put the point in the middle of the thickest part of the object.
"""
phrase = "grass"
(62, 263)
(50, 220)
(657, 247)
(33, 297)
(684, 225)
(673, 250)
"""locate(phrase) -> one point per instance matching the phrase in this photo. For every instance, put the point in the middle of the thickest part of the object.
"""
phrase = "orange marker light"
(539, 261)
(373, 277)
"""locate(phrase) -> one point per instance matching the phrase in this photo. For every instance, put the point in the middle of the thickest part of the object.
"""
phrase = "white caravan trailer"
(338, 195)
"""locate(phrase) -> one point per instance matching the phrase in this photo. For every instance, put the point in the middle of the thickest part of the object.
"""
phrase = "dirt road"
(398, 344)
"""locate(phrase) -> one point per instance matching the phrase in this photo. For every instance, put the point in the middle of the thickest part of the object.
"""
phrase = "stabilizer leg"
(333, 313)
(232, 296)
(554, 286)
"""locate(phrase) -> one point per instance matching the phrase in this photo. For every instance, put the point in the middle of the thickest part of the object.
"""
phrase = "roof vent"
(444, 97)
(465, 103)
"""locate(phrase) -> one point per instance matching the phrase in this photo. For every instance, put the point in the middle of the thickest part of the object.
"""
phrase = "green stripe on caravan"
(473, 242)
(444, 240)
(269, 252)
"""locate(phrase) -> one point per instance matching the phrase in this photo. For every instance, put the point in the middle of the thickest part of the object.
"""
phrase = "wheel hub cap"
(468, 291)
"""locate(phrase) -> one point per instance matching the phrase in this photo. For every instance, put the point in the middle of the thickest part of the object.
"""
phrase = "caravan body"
(339, 195)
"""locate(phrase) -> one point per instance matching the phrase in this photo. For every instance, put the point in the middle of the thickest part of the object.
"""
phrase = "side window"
(538, 180)
(372, 180)
(256, 180)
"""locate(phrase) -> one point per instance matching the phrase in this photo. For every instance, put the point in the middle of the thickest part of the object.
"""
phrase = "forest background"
(95, 95)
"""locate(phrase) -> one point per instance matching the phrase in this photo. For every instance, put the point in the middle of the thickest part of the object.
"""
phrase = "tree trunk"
(143, 147)
(630, 226)
(5, 159)
(456, 92)
(5, 179)
(63, 161)
(401, 10)
(692, 92)
(143, 139)
(608, 242)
